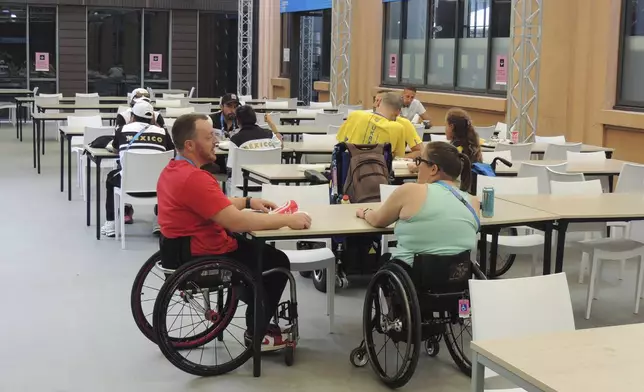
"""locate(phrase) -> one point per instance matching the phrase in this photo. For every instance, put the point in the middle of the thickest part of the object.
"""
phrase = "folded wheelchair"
(408, 306)
(194, 309)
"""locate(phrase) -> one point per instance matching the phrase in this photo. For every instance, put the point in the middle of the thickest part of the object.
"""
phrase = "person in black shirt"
(251, 135)
(224, 119)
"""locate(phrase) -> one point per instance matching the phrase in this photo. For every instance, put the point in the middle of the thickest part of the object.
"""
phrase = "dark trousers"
(113, 181)
(274, 284)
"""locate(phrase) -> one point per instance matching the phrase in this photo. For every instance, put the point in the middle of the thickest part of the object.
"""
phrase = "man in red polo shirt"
(191, 204)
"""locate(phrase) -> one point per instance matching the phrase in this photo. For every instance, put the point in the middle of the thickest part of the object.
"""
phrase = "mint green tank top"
(443, 226)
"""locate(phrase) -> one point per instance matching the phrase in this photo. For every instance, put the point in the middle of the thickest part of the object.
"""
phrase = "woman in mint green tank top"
(433, 216)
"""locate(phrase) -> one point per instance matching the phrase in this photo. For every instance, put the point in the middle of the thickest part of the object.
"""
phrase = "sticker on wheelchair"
(224, 275)
(464, 308)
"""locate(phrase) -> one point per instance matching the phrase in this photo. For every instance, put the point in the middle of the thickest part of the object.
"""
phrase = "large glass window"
(42, 49)
(631, 89)
(13, 47)
(113, 50)
(156, 41)
(446, 44)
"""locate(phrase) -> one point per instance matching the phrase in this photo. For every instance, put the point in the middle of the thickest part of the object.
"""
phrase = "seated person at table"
(191, 204)
(412, 140)
(376, 128)
(251, 136)
(413, 107)
(225, 119)
(125, 117)
(139, 135)
(432, 216)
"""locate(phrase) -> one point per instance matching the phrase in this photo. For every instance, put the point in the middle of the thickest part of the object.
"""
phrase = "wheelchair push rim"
(458, 336)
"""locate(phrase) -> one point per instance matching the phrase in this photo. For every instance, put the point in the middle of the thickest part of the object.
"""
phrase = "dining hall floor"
(67, 325)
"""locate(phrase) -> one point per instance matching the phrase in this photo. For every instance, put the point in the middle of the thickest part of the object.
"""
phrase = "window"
(217, 54)
(451, 45)
(113, 51)
(156, 42)
(13, 47)
(42, 49)
(631, 84)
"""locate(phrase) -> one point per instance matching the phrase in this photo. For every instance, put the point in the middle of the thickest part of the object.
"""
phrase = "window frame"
(624, 104)
(488, 91)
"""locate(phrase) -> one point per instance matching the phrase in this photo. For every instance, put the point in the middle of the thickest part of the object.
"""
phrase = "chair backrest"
(168, 103)
(333, 130)
(141, 170)
(550, 139)
(508, 185)
(307, 197)
(177, 112)
(169, 122)
(240, 156)
(437, 137)
(48, 100)
(83, 121)
(36, 90)
(342, 108)
(121, 109)
(191, 94)
(488, 156)
(631, 179)
(43, 95)
(81, 99)
(86, 95)
(502, 130)
(559, 152)
(275, 116)
(319, 140)
(486, 132)
(585, 157)
(205, 108)
(324, 119)
(592, 187)
(92, 133)
(320, 105)
(292, 103)
(541, 172)
(564, 177)
(420, 130)
(519, 152)
(309, 112)
(173, 96)
(539, 304)
(386, 191)
(245, 97)
(276, 105)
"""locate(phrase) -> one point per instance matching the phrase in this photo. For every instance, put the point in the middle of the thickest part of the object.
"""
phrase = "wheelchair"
(194, 309)
(407, 307)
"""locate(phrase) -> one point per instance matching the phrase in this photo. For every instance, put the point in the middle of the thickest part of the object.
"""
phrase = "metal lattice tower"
(306, 59)
(524, 64)
(340, 51)
(245, 47)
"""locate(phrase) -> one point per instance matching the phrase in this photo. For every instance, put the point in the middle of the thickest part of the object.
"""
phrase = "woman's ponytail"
(466, 172)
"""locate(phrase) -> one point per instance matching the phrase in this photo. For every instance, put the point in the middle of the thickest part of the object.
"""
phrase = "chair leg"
(591, 286)
(122, 223)
(638, 289)
(330, 294)
(535, 264)
(600, 272)
(583, 266)
(117, 215)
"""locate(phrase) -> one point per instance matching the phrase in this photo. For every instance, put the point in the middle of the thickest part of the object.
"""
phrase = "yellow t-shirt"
(370, 128)
(411, 135)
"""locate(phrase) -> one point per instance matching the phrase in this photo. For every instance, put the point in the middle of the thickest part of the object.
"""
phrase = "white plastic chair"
(205, 108)
(49, 99)
(89, 100)
(518, 152)
(245, 97)
(191, 94)
(321, 105)
(173, 96)
(528, 244)
(318, 141)
(333, 130)
(540, 305)
(91, 134)
(140, 173)
(309, 112)
(308, 199)
(550, 139)
(80, 122)
(238, 157)
(559, 152)
(276, 105)
(502, 130)
(342, 108)
(437, 137)
(122, 109)
(326, 119)
(528, 169)
(86, 95)
(178, 112)
(631, 180)
(168, 103)
(598, 157)
(420, 130)
(486, 132)
(169, 122)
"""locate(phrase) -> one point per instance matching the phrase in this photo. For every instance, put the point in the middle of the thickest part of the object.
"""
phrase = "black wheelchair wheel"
(458, 336)
(503, 261)
(199, 284)
(392, 315)
(306, 274)
(319, 280)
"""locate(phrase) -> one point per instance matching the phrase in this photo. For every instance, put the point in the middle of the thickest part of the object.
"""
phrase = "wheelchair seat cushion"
(174, 251)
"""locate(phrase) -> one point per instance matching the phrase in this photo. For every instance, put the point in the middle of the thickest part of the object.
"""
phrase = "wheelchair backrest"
(442, 274)
(174, 251)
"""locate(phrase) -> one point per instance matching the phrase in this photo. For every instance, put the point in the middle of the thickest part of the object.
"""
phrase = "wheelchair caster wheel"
(431, 347)
(341, 281)
(289, 355)
(358, 357)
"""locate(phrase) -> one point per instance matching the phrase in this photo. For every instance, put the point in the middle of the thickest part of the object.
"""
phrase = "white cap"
(143, 109)
(141, 92)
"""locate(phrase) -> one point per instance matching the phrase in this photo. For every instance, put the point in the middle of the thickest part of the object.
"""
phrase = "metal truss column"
(524, 64)
(340, 51)
(245, 47)
(306, 59)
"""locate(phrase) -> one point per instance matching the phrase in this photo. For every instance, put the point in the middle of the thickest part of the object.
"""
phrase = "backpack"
(368, 167)
(101, 141)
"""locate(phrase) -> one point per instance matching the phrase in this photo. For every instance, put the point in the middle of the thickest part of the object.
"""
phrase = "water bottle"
(487, 202)
(345, 200)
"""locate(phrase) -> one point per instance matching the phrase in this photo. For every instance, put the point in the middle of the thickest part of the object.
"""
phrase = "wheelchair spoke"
(183, 305)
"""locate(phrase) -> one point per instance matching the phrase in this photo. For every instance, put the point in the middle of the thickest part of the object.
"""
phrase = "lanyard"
(223, 124)
(182, 158)
(462, 200)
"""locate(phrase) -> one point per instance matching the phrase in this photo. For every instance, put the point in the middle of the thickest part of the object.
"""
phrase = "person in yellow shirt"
(378, 127)
(412, 140)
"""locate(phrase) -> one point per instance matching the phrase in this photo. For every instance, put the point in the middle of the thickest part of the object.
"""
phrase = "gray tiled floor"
(66, 323)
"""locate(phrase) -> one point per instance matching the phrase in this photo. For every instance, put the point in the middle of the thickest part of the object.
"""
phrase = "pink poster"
(393, 65)
(156, 62)
(502, 70)
(42, 62)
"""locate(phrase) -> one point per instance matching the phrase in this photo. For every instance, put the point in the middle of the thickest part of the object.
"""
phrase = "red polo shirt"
(188, 197)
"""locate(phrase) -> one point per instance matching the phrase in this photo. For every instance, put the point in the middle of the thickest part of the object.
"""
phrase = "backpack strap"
(462, 200)
(355, 149)
(138, 134)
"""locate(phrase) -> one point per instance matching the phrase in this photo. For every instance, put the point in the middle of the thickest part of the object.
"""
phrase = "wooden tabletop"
(309, 148)
(606, 167)
(162, 91)
(540, 148)
(294, 116)
(602, 206)
(588, 360)
(63, 116)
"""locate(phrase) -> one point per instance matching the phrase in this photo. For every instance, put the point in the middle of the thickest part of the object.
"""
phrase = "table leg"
(17, 119)
(547, 249)
(21, 119)
(258, 316)
(609, 154)
(98, 198)
(33, 140)
(483, 252)
(245, 176)
(298, 158)
(62, 162)
(478, 373)
(610, 183)
(69, 168)
(494, 250)
(561, 242)
(88, 196)
(44, 128)
(40, 123)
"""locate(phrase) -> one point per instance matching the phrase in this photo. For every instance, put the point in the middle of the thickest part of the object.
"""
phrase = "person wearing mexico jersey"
(376, 128)
(139, 135)
(191, 204)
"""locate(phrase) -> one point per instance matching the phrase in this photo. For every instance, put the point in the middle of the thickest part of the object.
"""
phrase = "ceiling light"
(13, 16)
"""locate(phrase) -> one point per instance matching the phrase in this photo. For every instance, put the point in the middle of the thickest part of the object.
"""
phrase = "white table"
(95, 155)
(589, 360)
